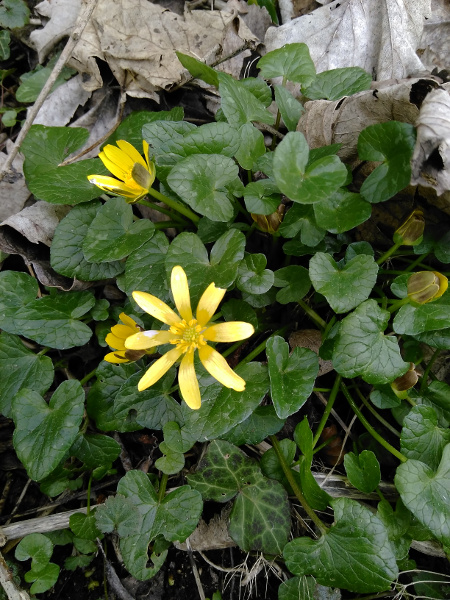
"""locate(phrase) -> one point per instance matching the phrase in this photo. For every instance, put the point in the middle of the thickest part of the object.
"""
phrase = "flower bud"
(401, 385)
(270, 223)
(426, 286)
(410, 232)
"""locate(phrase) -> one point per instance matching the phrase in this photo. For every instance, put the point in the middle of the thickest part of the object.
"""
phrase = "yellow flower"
(188, 333)
(116, 339)
(425, 286)
(136, 174)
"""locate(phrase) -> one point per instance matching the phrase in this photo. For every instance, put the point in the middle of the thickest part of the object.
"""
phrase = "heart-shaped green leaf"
(239, 105)
(292, 61)
(363, 470)
(253, 277)
(422, 439)
(342, 211)
(336, 83)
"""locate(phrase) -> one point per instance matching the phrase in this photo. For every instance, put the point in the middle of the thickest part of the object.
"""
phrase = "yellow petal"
(147, 160)
(116, 170)
(132, 152)
(148, 339)
(233, 331)
(122, 331)
(116, 357)
(115, 342)
(159, 368)
(180, 292)
(210, 300)
(129, 321)
(188, 382)
(218, 367)
(119, 157)
(156, 308)
(114, 186)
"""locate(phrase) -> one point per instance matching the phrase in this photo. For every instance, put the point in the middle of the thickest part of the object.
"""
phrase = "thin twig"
(8, 584)
(113, 578)
(62, 60)
(198, 582)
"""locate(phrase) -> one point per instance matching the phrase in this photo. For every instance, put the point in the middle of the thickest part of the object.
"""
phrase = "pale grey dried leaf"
(13, 189)
(381, 36)
(431, 158)
(62, 15)
(38, 222)
(434, 44)
(60, 106)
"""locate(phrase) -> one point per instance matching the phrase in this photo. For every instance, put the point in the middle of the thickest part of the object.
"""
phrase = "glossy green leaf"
(342, 211)
(259, 88)
(301, 182)
(201, 181)
(188, 251)
(83, 526)
(171, 462)
(306, 588)
(44, 432)
(292, 376)
(253, 277)
(252, 146)
(290, 108)
(397, 523)
(45, 179)
(363, 470)
(413, 320)
(425, 493)
(383, 396)
(66, 252)
(238, 310)
(223, 408)
(294, 282)
(198, 69)
(362, 349)
(44, 579)
(18, 290)
(421, 438)
(145, 269)
(355, 554)
(261, 197)
(32, 83)
(392, 143)
(19, 369)
(225, 471)
(271, 467)
(113, 234)
(14, 14)
(436, 339)
(260, 424)
(130, 129)
(344, 286)
(37, 547)
(118, 514)
(336, 83)
(300, 221)
(292, 61)
(95, 450)
(5, 39)
(239, 105)
(175, 438)
(54, 320)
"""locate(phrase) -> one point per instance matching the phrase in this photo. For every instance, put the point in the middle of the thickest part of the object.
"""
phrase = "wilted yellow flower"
(136, 174)
(411, 230)
(188, 334)
(270, 223)
(426, 286)
(402, 384)
(116, 339)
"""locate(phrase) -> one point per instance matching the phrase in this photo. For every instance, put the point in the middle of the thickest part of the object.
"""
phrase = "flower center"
(139, 176)
(188, 335)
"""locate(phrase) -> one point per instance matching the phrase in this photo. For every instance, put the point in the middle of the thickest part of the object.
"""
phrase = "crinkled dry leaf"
(38, 222)
(431, 158)
(312, 339)
(59, 108)
(329, 122)
(434, 45)
(380, 36)
(62, 16)
(210, 536)
(13, 189)
(138, 40)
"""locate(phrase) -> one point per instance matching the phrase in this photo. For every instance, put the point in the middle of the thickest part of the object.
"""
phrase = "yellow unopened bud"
(401, 385)
(270, 223)
(426, 286)
(410, 232)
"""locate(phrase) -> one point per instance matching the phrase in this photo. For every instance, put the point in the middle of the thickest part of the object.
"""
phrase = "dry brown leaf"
(138, 40)
(329, 122)
(381, 36)
(37, 223)
(431, 158)
(434, 45)
(62, 16)
(210, 536)
(312, 339)
(13, 189)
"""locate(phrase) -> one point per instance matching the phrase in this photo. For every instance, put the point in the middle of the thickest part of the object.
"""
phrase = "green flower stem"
(293, 483)
(426, 373)
(87, 377)
(43, 351)
(325, 390)
(161, 209)
(261, 347)
(383, 258)
(414, 264)
(369, 427)
(184, 210)
(312, 314)
(324, 444)
(88, 508)
(167, 224)
(162, 487)
(327, 411)
(231, 349)
(377, 415)
(398, 304)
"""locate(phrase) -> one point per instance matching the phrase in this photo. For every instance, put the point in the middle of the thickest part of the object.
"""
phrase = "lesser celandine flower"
(188, 334)
(136, 174)
(410, 232)
(116, 339)
(426, 286)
